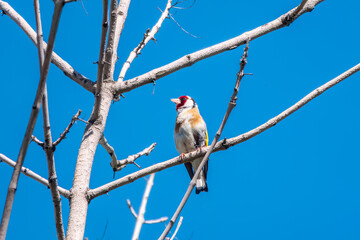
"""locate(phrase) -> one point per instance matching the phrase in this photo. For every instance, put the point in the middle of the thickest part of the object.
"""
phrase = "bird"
(191, 134)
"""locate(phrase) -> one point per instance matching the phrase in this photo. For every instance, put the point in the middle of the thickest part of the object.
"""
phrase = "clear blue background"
(298, 180)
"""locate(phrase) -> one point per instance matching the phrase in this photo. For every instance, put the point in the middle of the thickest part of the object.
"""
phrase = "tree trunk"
(79, 200)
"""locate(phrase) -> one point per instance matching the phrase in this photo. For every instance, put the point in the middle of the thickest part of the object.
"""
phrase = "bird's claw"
(199, 149)
(182, 155)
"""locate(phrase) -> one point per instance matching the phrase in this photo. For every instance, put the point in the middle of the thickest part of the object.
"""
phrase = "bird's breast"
(184, 139)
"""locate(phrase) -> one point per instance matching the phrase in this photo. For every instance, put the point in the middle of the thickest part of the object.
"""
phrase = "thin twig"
(159, 220)
(27, 172)
(170, 15)
(223, 144)
(178, 24)
(132, 210)
(177, 228)
(48, 146)
(231, 106)
(140, 219)
(67, 129)
(34, 114)
(290, 17)
(120, 164)
(82, 120)
(116, 164)
(64, 66)
(149, 35)
(37, 141)
(49, 149)
(141, 216)
(190, 59)
(108, 75)
(105, 144)
(122, 11)
(174, 5)
(99, 80)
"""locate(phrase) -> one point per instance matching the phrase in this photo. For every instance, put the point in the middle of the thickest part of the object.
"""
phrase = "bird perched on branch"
(191, 134)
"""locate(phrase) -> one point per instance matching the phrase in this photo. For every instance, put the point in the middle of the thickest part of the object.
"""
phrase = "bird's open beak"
(175, 100)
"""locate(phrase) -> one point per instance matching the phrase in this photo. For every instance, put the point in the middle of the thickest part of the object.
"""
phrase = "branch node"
(37, 141)
(52, 179)
(67, 129)
(224, 143)
(287, 20)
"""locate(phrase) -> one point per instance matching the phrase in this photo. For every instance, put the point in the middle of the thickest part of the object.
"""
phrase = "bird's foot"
(182, 155)
(199, 149)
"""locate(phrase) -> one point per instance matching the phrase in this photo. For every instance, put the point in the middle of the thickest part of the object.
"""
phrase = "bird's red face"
(180, 101)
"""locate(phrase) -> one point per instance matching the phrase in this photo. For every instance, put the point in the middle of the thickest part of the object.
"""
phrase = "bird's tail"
(201, 183)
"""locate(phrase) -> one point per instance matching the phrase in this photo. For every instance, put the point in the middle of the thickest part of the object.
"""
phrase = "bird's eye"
(183, 98)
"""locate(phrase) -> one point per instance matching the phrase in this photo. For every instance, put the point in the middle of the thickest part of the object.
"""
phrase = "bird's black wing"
(200, 138)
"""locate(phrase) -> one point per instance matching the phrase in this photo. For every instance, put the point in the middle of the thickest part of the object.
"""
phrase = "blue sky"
(298, 180)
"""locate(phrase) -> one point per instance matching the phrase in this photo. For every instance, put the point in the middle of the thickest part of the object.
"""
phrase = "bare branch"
(159, 220)
(104, 27)
(120, 164)
(55, 59)
(290, 18)
(48, 147)
(149, 35)
(99, 81)
(132, 210)
(117, 165)
(230, 44)
(223, 144)
(182, 8)
(92, 134)
(140, 219)
(104, 143)
(108, 75)
(37, 141)
(67, 129)
(231, 106)
(31, 124)
(27, 172)
(122, 11)
(177, 228)
(178, 24)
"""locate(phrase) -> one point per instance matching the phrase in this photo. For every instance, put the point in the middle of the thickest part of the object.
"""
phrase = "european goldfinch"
(191, 134)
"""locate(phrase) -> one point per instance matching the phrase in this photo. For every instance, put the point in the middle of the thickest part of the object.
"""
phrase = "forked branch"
(176, 229)
(67, 129)
(108, 64)
(48, 144)
(140, 218)
(122, 11)
(31, 124)
(27, 172)
(116, 164)
(190, 59)
(148, 35)
(231, 106)
(64, 66)
(223, 144)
